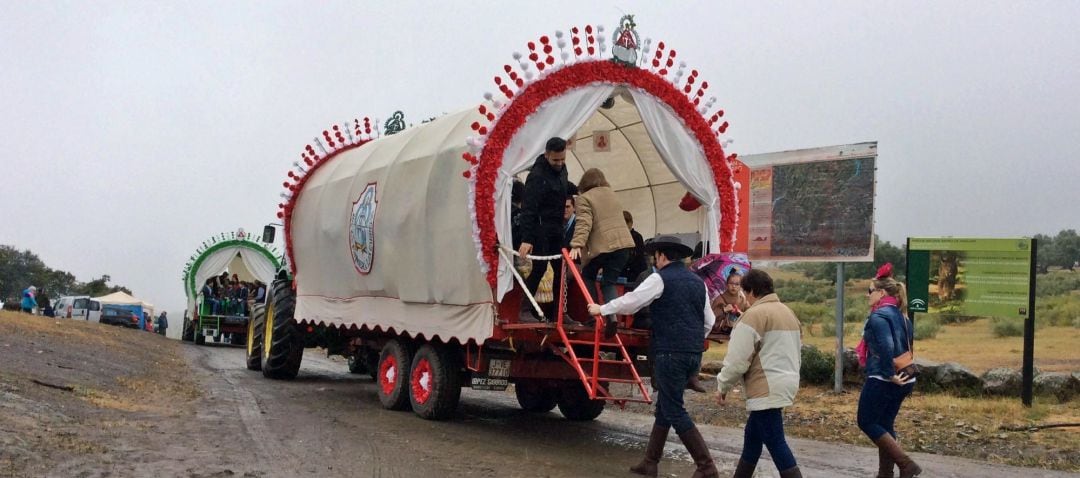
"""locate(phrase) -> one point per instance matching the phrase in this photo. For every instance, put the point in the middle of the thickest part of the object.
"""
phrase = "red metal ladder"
(588, 368)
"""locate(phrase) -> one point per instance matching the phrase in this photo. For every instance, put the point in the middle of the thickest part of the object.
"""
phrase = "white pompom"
(599, 29)
(528, 74)
(561, 43)
(488, 96)
(517, 55)
(682, 64)
(565, 56)
(558, 34)
(524, 66)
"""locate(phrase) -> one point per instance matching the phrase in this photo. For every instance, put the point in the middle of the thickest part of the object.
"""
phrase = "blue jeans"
(612, 263)
(766, 427)
(672, 370)
(879, 403)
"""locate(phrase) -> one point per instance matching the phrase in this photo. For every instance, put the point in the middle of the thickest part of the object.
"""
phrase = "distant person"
(681, 317)
(541, 216)
(260, 292)
(209, 297)
(887, 334)
(569, 221)
(44, 304)
(162, 324)
(764, 354)
(601, 239)
(637, 262)
(28, 301)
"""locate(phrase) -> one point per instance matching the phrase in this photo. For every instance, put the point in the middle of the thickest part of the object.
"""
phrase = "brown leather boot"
(908, 467)
(792, 472)
(744, 470)
(885, 464)
(699, 451)
(695, 384)
(653, 451)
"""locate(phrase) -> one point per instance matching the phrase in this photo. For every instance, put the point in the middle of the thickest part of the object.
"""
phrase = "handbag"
(905, 362)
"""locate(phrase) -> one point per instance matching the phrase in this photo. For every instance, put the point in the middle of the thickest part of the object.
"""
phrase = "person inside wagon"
(541, 218)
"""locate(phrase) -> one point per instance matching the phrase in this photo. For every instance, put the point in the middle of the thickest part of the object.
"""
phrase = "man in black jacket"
(541, 218)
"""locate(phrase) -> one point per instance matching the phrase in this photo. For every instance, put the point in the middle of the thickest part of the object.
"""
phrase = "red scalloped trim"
(298, 188)
(527, 101)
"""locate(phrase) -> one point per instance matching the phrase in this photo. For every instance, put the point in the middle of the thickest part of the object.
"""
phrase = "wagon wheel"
(282, 348)
(395, 361)
(188, 332)
(533, 396)
(255, 337)
(435, 382)
(575, 405)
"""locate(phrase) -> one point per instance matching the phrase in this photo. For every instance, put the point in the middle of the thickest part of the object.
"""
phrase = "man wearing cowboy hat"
(681, 317)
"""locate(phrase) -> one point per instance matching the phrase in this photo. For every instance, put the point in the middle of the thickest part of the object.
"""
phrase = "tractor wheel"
(282, 348)
(533, 396)
(357, 364)
(200, 339)
(575, 405)
(188, 334)
(435, 382)
(394, 365)
(255, 337)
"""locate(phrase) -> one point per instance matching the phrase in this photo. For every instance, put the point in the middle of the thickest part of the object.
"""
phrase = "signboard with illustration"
(813, 204)
(969, 276)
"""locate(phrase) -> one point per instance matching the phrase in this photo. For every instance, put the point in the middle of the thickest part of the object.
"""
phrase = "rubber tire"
(575, 405)
(536, 398)
(444, 381)
(188, 334)
(200, 339)
(286, 351)
(397, 398)
(255, 337)
(357, 364)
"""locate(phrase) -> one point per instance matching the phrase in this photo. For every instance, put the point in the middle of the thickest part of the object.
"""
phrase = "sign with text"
(813, 204)
(970, 276)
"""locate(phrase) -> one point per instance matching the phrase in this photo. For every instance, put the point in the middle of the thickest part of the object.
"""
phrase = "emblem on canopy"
(395, 124)
(625, 42)
(362, 230)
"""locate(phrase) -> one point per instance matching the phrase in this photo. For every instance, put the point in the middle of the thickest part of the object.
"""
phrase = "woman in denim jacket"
(887, 335)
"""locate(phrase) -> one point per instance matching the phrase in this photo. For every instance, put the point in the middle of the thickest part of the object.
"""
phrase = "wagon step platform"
(608, 351)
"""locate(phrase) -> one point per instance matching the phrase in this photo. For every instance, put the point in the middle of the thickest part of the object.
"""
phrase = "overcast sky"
(132, 131)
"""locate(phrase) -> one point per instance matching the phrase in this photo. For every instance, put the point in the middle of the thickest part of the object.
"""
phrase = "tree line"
(20, 269)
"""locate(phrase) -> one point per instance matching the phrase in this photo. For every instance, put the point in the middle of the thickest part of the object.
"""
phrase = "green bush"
(806, 290)
(828, 328)
(809, 313)
(926, 327)
(1056, 283)
(817, 366)
(1008, 327)
(1061, 310)
(951, 315)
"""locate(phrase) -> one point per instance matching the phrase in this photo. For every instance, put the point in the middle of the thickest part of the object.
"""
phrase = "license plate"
(497, 376)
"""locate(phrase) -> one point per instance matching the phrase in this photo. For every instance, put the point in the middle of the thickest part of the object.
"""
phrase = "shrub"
(817, 366)
(951, 315)
(1056, 283)
(828, 328)
(926, 327)
(1058, 310)
(1008, 327)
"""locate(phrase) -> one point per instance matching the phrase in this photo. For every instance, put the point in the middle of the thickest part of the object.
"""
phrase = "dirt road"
(84, 400)
(329, 423)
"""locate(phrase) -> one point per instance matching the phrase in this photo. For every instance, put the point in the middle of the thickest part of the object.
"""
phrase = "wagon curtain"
(561, 116)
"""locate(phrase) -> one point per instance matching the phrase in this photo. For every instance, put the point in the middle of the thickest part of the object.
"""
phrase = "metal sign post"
(838, 386)
(1029, 334)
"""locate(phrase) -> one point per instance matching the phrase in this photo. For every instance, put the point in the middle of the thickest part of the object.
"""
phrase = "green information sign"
(975, 277)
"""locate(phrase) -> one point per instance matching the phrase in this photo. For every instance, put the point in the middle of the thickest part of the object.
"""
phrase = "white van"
(78, 307)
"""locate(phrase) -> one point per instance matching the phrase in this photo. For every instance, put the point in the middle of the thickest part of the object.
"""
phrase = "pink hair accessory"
(884, 271)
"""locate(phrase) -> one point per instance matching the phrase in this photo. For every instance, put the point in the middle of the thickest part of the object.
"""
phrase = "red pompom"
(483, 131)
(466, 174)
(656, 63)
(574, 30)
(532, 46)
(588, 29)
(660, 45)
(544, 39)
(475, 125)
(884, 272)
(533, 56)
(547, 49)
(498, 81)
(686, 89)
(507, 68)
(483, 109)
(280, 215)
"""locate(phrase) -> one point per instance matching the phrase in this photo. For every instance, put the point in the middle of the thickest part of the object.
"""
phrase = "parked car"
(78, 306)
(118, 315)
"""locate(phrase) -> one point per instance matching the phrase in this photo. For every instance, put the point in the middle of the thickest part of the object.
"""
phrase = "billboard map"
(813, 204)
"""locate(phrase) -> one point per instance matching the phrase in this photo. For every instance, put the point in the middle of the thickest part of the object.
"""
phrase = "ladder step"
(616, 362)
(589, 342)
(616, 380)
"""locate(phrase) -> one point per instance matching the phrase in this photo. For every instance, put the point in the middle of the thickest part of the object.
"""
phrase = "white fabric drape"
(258, 264)
(561, 116)
(211, 266)
(684, 156)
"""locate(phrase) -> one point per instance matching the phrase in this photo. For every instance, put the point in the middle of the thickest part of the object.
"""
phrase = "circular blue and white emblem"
(362, 230)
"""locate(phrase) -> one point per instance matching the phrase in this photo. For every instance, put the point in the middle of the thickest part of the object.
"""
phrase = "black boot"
(908, 467)
(792, 472)
(695, 384)
(744, 470)
(653, 451)
(699, 451)
(885, 464)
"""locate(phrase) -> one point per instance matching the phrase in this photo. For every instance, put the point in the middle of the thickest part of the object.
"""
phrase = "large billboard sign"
(969, 276)
(813, 204)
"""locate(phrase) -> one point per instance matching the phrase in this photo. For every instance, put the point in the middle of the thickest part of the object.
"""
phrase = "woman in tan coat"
(601, 236)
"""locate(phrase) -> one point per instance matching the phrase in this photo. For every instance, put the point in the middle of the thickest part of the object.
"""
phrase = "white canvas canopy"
(122, 298)
(243, 257)
(424, 276)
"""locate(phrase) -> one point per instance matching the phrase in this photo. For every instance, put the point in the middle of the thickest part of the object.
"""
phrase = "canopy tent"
(122, 298)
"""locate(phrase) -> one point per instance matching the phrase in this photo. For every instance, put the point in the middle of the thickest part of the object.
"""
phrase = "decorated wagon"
(235, 254)
(396, 240)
